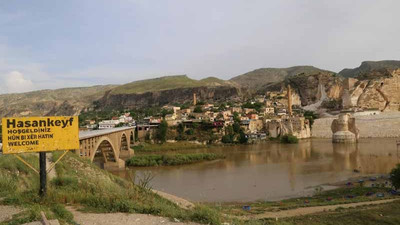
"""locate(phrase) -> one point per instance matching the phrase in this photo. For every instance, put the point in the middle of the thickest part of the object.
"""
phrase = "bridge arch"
(107, 149)
(124, 143)
(132, 137)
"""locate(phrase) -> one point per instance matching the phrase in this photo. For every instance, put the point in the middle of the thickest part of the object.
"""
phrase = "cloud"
(16, 82)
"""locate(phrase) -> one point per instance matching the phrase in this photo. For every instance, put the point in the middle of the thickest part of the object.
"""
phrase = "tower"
(194, 99)
(289, 95)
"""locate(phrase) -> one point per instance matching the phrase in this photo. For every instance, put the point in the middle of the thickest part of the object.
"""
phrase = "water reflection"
(272, 171)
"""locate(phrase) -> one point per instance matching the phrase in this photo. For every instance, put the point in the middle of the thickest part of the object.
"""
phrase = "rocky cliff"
(375, 85)
(316, 87)
(381, 90)
(263, 79)
(368, 68)
(160, 98)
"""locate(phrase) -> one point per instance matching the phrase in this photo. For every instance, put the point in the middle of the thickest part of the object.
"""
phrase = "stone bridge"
(107, 148)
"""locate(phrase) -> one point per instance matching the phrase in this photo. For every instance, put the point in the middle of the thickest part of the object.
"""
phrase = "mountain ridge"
(180, 88)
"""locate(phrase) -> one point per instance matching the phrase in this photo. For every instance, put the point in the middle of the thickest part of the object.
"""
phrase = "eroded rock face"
(297, 126)
(344, 129)
(160, 98)
(309, 90)
(381, 92)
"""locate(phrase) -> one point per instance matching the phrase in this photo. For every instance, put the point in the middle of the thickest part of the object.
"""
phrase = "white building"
(107, 124)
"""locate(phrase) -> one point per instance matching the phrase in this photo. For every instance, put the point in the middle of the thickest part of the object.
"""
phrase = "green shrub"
(65, 181)
(227, 139)
(395, 176)
(171, 160)
(60, 212)
(205, 215)
(289, 139)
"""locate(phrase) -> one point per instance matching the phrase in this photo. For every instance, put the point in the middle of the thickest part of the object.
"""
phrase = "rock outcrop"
(316, 87)
(377, 92)
(160, 98)
(296, 126)
(344, 129)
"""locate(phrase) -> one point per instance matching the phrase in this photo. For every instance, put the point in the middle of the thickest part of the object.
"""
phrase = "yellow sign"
(40, 134)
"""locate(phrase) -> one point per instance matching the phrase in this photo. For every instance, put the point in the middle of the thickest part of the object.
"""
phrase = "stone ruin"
(344, 129)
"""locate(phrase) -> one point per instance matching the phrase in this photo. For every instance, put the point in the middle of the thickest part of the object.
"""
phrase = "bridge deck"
(94, 133)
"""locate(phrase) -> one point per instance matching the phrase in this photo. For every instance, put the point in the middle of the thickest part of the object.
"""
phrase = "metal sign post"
(43, 174)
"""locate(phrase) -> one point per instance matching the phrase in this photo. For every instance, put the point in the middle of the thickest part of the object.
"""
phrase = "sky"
(47, 44)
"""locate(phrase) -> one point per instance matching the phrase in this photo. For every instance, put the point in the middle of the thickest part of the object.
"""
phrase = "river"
(272, 171)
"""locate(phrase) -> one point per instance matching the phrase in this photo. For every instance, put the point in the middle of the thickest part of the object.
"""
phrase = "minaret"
(289, 95)
(194, 99)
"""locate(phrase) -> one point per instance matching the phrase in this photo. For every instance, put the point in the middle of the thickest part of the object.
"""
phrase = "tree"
(165, 112)
(236, 117)
(395, 176)
(242, 137)
(289, 139)
(161, 134)
(311, 116)
(236, 127)
(227, 139)
(180, 128)
(229, 135)
(198, 109)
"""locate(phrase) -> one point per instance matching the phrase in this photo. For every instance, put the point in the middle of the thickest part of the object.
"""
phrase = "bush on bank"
(289, 139)
(171, 160)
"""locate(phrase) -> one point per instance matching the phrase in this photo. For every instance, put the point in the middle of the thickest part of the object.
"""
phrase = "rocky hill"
(375, 87)
(262, 79)
(170, 89)
(368, 67)
(66, 101)
(168, 83)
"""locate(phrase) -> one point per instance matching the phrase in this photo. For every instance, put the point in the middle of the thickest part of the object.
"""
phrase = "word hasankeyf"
(37, 134)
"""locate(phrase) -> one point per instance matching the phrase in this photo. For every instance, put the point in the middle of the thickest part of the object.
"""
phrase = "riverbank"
(171, 159)
(81, 184)
(169, 147)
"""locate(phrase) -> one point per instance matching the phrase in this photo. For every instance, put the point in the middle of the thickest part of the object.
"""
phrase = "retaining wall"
(381, 125)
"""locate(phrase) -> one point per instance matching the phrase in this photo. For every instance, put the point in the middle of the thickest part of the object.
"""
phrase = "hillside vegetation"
(82, 184)
(66, 101)
(369, 66)
(259, 78)
(167, 83)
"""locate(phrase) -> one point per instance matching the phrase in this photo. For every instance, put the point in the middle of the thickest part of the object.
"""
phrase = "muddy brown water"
(272, 171)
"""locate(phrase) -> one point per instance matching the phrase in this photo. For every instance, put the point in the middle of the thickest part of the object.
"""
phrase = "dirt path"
(183, 203)
(52, 174)
(6, 212)
(311, 210)
(120, 218)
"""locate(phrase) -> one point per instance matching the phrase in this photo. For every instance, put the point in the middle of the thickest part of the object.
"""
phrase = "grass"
(165, 83)
(370, 215)
(81, 183)
(177, 146)
(337, 196)
(171, 160)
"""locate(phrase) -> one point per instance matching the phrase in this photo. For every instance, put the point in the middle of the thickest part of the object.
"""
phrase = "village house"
(236, 109)
(248, 111)
(107, 124)
(256, 125)
(267, 111)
